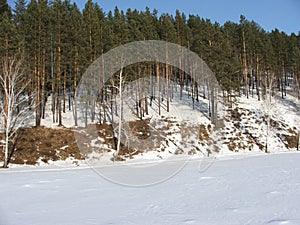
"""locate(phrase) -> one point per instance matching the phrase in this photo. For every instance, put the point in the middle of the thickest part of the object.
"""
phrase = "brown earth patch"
(291, 139)
(203, 133)
(43, 143)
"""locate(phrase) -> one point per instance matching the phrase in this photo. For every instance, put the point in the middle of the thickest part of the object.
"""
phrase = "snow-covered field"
(263, 189)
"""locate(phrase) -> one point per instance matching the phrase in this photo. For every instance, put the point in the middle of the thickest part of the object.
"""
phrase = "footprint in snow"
(189, 221)
(27, 186)
(273, 193)
(44, 181)
(278, 221)
(206, 178)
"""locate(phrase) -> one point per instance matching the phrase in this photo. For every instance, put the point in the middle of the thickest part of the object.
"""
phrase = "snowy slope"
(244, 129)
(242, 190)
(178, 131)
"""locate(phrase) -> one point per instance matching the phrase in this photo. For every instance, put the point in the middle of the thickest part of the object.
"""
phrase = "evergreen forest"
(57, 41)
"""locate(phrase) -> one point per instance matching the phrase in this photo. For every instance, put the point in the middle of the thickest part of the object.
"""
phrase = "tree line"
(57, 41)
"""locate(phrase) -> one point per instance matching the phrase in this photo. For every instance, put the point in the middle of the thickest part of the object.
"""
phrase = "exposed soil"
(291, 140)
(41, 143)
(203, 133)
(37, 144)
(44, 144)
(140, 128)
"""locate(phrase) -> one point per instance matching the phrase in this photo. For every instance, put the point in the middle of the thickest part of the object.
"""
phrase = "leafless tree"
(268, 105)
(16, 105)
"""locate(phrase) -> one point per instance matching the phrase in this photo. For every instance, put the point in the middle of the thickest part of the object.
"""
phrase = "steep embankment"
(181, 131)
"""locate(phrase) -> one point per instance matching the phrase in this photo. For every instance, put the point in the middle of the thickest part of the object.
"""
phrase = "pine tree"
(94, 28)
(181, 29)
(19, 21)
(35, 29)
(5, 9)
(134, 25)
(225, 64)
(7, 32)
(149, 24)
(59, 13)
(243, 27)
(231, 31)
(168, 34)
(120, 28)
(76, 52)
(280, 45)
(294, 62)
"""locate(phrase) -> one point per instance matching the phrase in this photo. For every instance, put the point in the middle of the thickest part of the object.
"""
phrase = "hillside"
(182, 132)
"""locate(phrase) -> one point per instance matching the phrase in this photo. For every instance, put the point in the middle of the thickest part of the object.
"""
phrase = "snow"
(160, 187)
(183, 122)
(237, 189)
(286, 109)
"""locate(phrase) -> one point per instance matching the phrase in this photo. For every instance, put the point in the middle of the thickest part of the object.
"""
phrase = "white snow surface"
(261, 189)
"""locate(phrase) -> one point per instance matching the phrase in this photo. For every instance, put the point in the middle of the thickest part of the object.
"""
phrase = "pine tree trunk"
(158, 87)
(281, 79)
(257, 78)
(37, 93)
(103, 89)
(75, 87)
(245, 64)
(167, 88)
(58, 70)
(65, 91)
(151, 85)
(43, 78)
(53, 82)
(59, 85)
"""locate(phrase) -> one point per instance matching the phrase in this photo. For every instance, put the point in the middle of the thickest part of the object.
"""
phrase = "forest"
(56, 42)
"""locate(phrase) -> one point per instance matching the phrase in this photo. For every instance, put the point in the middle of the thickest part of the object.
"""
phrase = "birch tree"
(120, 115)
(268, 106)
(15, 108)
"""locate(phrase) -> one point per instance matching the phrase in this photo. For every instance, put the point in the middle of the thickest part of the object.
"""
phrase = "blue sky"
(269, 14)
